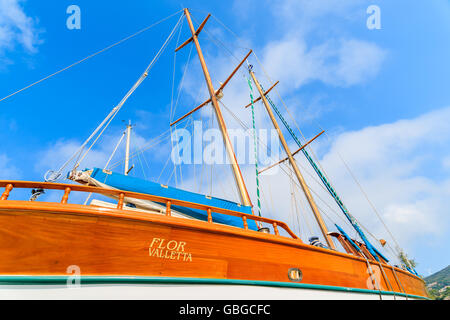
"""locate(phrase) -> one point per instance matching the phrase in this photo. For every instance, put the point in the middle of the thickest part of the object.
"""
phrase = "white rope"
(152, 143)
(52, 176)
(340, 156)
(173, 73)
(286, 168)
(115, 149)
(173, 109)
(167, 161)
(90, 56)
(107, 163)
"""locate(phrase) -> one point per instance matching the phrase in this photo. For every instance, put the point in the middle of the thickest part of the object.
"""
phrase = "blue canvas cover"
(127, 183)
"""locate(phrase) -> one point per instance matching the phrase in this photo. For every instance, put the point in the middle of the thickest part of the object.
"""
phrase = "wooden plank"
(293, 154)
(233, 73)
(265, 93)
(199, 29)
(191, 112)
(217, 91)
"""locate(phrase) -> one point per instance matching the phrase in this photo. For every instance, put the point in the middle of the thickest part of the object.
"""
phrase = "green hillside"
(438, 284)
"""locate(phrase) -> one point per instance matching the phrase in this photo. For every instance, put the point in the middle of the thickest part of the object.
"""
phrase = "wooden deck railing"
(120, 194)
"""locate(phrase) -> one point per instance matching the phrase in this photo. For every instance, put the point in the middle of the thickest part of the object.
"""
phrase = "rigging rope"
(90, 56)
(325, 181)
(255, 147)
(52, 175)
(286, 168)
(107, 163)
(323, 174)
(115, 149)
(398, 248)
(155, 141)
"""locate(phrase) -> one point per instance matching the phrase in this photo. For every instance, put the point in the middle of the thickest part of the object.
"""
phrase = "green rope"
(328, 186)
(255, 147)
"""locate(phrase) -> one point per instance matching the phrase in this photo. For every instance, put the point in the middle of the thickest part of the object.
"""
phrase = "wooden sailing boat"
(176, 244)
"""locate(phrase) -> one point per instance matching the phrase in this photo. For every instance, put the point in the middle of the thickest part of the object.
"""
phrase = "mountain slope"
(438, 284)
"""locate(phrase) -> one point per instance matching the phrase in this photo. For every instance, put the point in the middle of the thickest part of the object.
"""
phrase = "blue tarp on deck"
(127, 183)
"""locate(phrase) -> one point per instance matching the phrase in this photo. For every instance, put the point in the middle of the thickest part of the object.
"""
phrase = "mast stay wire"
(52, 175)
(172, 107)
(367, 198)
(139, 156)
(170, 156)
(137, 84)
(171, 98)
(303, 209)
(215, 40)
(109, 160)
(155, 141)
(237, 37)
(290, 115)
(288, 168)
(178, 97)
(90, 56)
(174, 71)
(229, 51)
(340, 156)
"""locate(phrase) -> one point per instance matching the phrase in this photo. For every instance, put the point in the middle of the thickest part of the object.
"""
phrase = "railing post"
(120, 203)
(210, 220)
(168, 203)
(5, 194)
(66, 195)
(275, 228)
(244, 219)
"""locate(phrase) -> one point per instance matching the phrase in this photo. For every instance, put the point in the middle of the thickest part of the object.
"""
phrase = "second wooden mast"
(294, 165)
(245, 198)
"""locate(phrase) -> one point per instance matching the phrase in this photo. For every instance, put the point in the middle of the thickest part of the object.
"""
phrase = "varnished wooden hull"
(44, 239)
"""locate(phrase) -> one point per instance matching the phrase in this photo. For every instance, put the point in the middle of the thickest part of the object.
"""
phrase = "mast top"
(239, 179)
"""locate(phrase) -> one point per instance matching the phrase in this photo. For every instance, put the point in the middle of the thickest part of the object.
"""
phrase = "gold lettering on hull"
(172, 250)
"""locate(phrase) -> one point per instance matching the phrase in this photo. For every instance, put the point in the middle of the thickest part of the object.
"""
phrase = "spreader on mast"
(243, 193)
(294, 165)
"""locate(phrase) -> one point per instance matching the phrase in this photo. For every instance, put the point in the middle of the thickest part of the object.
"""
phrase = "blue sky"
(382, 95)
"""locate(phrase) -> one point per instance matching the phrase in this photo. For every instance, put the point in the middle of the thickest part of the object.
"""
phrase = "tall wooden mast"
(294, 165)
(245, 199)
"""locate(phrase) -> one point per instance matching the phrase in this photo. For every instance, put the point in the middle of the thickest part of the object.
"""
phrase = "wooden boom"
(293, 154)
(217, 91)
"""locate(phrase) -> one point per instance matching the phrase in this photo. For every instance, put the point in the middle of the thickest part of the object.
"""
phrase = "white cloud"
(8, 171)
(446, 162)
(344, 62)
(16, 27)
(56, 154)
(306, 12)
(315, 46)
(392, 162)
(309, 47)
(295, 61)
